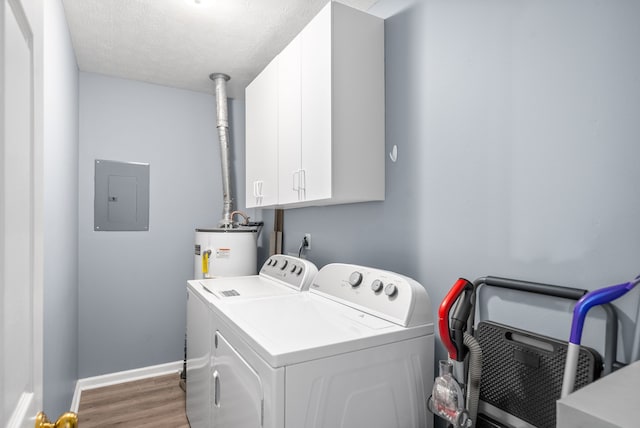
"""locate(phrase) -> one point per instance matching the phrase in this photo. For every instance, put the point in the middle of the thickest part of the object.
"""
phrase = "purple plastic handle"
(595, 298)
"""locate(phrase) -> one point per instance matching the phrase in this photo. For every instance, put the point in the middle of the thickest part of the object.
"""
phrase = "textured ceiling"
(179, 43)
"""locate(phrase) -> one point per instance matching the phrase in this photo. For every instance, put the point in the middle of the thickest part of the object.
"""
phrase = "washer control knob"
(293, 269)
(391, 290)
(299, 270)
(284, 265)
(377, 285)
(355, 279)
(274, 262)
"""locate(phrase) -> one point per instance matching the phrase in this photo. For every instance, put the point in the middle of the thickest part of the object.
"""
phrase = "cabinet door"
(289, 127)
(261, 154)
(237, 398)
(316, 90)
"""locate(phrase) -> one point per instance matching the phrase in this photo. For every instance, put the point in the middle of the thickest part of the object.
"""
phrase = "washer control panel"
(381, 293)
(295, 272)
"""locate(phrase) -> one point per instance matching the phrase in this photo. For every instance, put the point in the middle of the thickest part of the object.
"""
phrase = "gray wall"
(516, 125)
(132, 284)
(60, 212)
(518, 138)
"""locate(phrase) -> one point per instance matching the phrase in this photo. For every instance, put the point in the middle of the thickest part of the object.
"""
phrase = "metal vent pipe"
(222, 123)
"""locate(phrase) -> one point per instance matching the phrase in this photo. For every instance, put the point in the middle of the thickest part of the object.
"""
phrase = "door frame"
(28, 16)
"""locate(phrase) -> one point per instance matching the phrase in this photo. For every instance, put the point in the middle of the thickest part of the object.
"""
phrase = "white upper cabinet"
(328, 103)
(261, 159)
(289, 123)
(317, 108)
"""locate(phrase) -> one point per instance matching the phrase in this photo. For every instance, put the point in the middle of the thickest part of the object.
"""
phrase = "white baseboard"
(121, 377)
(23, 411)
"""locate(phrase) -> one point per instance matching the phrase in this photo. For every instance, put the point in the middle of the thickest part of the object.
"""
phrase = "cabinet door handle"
(216, 388)
(302, 193)
(296, 180)
(255, 192)
(258, 192)
(257, 188)
(303, 179)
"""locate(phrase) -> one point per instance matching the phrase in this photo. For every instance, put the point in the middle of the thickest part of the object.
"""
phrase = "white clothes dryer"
(280, 275)
(355, 351)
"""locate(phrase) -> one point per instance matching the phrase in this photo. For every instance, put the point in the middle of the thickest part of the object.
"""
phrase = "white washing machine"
(280, 275)
(355, 351)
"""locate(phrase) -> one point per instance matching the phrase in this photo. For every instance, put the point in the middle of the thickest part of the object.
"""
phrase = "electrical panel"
(121, 199)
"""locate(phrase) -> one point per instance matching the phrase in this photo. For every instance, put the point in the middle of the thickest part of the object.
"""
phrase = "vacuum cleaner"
(455, 396)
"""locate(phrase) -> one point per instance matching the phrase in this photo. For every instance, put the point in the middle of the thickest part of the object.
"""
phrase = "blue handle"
(595, 298)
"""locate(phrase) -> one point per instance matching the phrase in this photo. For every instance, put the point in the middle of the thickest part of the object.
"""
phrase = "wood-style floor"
(155, 402)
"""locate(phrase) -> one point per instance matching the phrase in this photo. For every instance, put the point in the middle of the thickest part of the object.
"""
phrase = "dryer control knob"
(293, 269)
(376, 286)
(391, 290)
(284, 265)
(355, 279)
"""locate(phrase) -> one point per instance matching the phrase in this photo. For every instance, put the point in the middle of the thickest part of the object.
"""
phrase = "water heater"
(225, 252)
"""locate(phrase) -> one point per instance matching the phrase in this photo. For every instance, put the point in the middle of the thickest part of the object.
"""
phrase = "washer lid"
(230, 289)
(300, 327)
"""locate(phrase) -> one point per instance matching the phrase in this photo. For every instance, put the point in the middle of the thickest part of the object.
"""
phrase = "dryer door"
(237, 398)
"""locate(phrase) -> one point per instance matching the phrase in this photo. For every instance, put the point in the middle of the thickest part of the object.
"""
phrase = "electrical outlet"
(307, 237)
